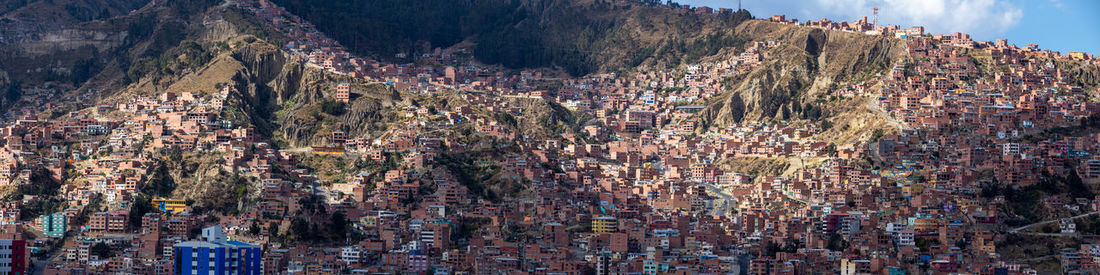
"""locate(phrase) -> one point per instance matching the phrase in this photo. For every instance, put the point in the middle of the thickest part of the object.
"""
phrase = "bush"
(1048, 229)
(334, 108)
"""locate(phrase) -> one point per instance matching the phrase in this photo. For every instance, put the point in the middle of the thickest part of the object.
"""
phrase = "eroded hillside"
(808, 66)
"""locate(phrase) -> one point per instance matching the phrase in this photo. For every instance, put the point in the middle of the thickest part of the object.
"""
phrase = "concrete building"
(53, 225)
(216, 255)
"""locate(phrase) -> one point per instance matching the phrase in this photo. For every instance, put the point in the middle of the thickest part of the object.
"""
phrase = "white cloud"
(1057, 3)
(989, 17)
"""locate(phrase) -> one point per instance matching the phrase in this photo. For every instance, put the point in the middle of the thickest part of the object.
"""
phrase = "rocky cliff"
(312, 114)
(807, 64)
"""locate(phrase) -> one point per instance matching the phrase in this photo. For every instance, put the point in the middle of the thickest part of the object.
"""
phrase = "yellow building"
(605, 224)
(984, 242)
(170, 205)
(1078, 55)
(322, 150)
(369, 221)
(912, 189)
(925, 226)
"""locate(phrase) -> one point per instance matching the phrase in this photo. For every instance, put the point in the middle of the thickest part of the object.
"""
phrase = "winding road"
(1018, 229)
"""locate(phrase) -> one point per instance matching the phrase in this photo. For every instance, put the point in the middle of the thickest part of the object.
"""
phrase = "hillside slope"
(204, 47)
(809, 64)
(579, 37)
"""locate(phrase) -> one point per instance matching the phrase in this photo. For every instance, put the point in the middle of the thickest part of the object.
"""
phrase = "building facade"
(54, 225)
(170, 206)
(216, 255)
(13, 256)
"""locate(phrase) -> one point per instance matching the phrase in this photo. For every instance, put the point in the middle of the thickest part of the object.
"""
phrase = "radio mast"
(875, 24)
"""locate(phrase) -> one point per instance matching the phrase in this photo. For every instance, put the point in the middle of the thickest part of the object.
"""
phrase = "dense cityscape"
(959, 157)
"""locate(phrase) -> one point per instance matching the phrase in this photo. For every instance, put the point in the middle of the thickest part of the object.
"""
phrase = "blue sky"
(1061, 25)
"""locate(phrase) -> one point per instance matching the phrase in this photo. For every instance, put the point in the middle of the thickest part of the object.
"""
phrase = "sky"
(1060, 25)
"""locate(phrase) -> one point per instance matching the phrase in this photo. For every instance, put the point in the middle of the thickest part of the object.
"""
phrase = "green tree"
(138, 209)
(300, 229)
(102, 250)
(272, 230)
(338, 225)
(837, 243)
(160, 181)
(254, 228)
(13, 91)
(333, 107)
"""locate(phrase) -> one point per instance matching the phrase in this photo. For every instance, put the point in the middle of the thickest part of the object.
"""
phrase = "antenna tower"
(875, 24)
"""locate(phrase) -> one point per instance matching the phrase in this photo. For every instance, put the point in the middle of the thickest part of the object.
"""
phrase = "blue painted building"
(216, 255)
